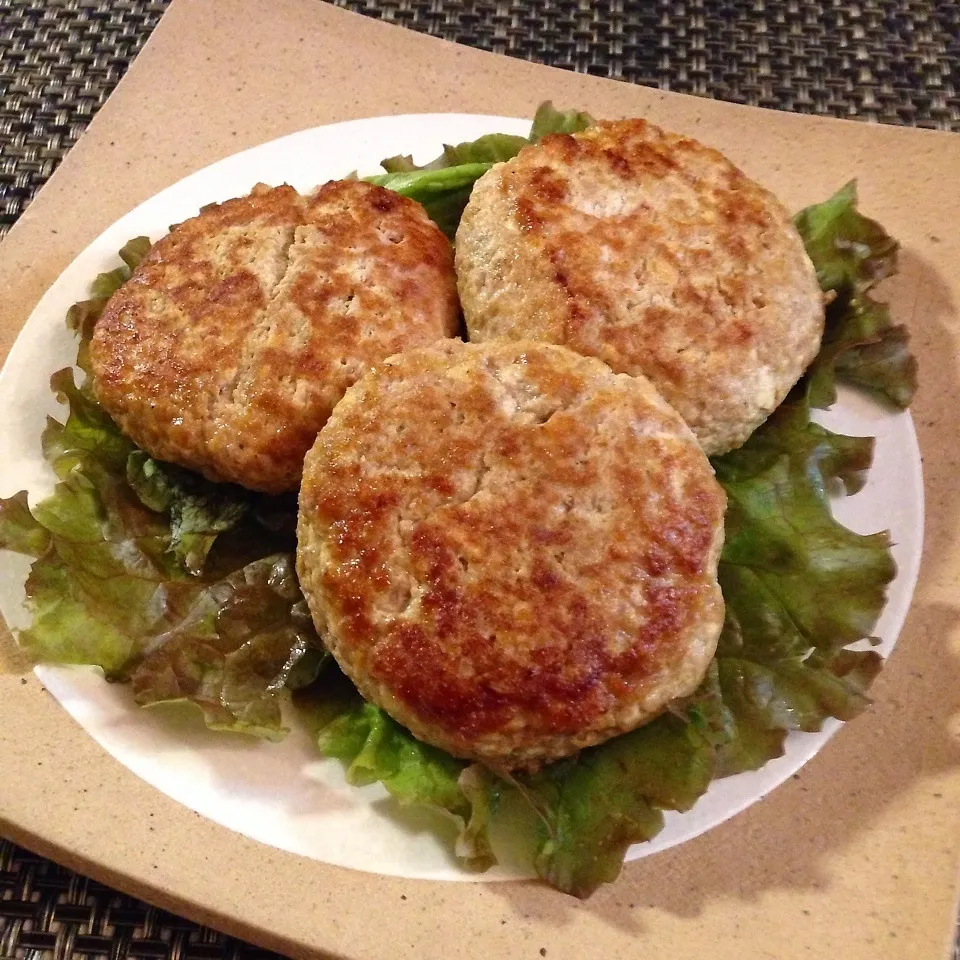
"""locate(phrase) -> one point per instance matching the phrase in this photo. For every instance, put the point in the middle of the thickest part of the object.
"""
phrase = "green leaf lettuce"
(550, 120)
(861, 344)
(595, 806)
(376, 749)
(444, 184)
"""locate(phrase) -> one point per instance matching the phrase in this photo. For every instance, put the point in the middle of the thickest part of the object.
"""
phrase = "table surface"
(886, 61)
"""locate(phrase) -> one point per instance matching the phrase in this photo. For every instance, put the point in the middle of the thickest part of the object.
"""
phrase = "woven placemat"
(47, 911)
(893, 61)
(890, 61)
(59, 61)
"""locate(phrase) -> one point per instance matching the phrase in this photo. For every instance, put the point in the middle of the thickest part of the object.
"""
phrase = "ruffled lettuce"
(594, 807)
(549, 120)
(444, 184)
(199, 511)
(82, 316)
(376, 749)
(108, 588)
(861, 345)
(234, 648)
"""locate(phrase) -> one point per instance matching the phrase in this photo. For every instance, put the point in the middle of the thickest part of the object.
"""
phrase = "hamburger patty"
(511, 549)
(240, 330)
(655, 254)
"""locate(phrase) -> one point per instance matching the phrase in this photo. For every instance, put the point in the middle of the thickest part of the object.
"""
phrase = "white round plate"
(285, 794)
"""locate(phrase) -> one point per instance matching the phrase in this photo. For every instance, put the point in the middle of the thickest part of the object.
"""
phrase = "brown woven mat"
(47, 911)
(892, 61)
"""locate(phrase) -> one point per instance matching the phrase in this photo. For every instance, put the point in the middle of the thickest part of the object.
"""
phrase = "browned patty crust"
(511, 549)
(241, 329)
(654, 253)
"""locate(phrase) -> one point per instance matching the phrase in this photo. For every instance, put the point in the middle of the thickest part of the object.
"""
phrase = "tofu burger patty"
(238, 333)
(654, 253)
(511, 549)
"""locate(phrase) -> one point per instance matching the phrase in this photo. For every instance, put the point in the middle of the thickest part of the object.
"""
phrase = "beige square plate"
(856, 857)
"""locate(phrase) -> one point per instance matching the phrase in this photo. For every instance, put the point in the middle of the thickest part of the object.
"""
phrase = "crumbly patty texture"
(655, 254)
(241, 329)
(511, 549)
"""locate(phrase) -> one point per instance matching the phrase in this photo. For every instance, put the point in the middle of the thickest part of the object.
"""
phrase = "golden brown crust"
(242, 328)
(653, 253)
(511, 549)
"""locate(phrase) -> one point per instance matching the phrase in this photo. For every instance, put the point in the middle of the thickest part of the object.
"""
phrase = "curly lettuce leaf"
(765, 698)
(89, 438)
(96, 589)
(793, 577)
(861, 344)
(849, 250)
(863, 348)
(199, 510)
(549, 120)
(593, 807)
(91, 443)
(113, 597)
(234, 649)
(19, 530)
(442, 192)
(444, 184)
(82, 316)
(105, 590)
(133, 252)
(376, 749)
(798, 586)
